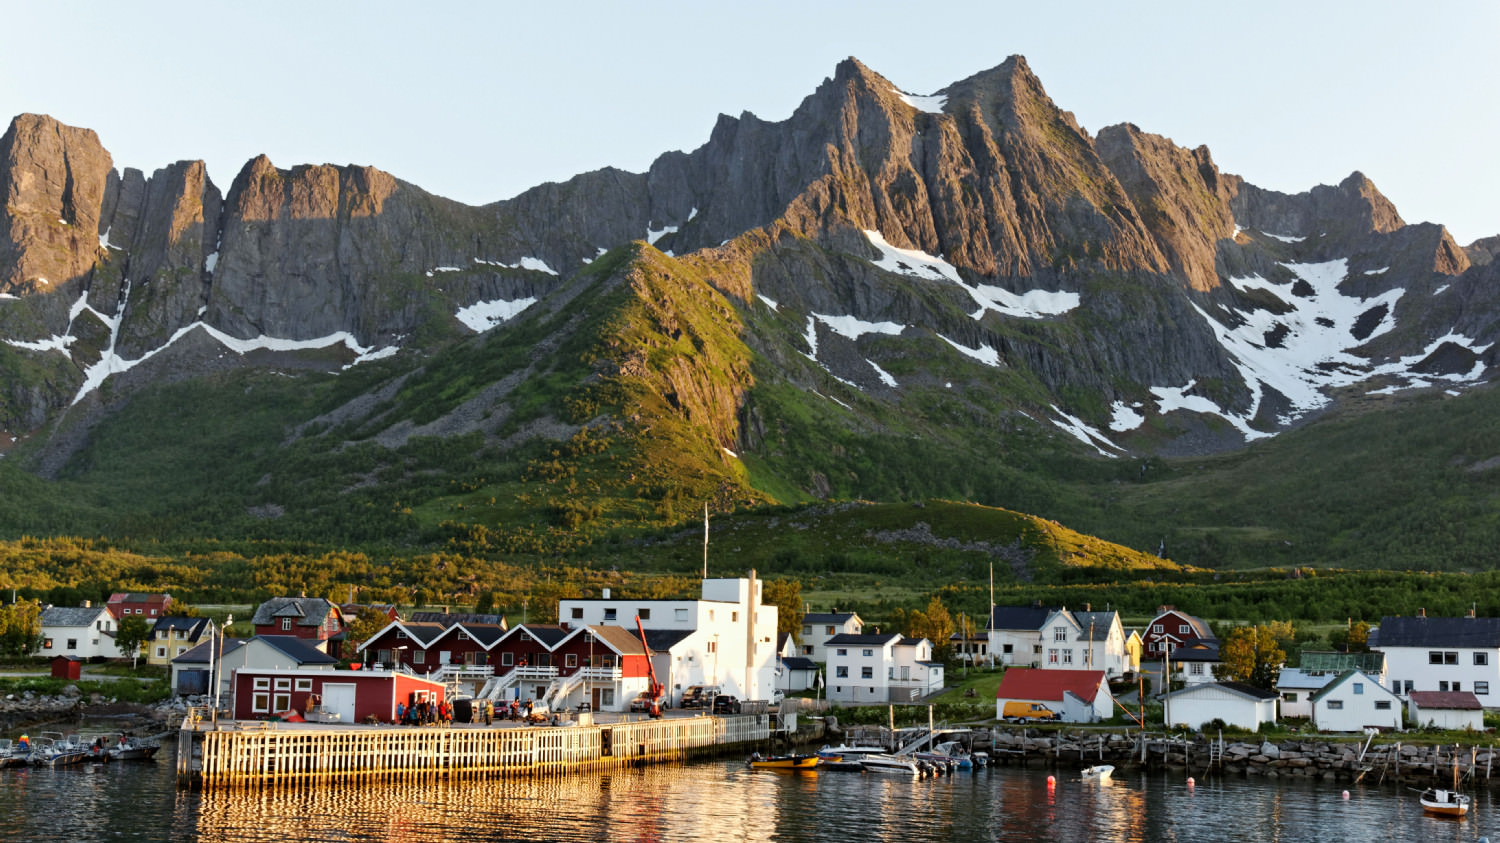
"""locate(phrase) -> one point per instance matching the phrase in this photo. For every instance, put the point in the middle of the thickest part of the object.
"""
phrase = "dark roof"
(980, 635)
(422, 633)
(827, 617)
(910, 642)
(139, 597)
(311, 611)
(548, 634)
(203, 652)
(485, 633)
(72, 615)
(451, 618)
(1463, 700)
(1439, 632)
(662, 640)
(299, 650)
(1197, 650)
(1019, 617)
(849, 639)
(193, 625)
(1095, 625)
(798, 663)
(781, 639)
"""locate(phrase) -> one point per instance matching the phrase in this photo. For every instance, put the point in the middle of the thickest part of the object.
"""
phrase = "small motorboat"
(1444, 802)
(133, 749)
(1098, 772)
(783, 762)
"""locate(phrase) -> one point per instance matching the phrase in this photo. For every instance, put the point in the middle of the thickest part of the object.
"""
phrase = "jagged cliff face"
(1117, 286)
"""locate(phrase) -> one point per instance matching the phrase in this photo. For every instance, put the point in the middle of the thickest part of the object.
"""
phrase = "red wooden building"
(401, 642)
(313, 618)
(355, 695)
(1173, 628)
(149, 606)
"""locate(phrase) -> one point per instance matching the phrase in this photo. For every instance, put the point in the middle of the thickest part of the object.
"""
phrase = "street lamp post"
(218, 671)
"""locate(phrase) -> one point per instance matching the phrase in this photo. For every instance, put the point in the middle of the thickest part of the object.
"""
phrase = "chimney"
(1088, 607)
(1422, 612)
(603, 594)
(88, 604)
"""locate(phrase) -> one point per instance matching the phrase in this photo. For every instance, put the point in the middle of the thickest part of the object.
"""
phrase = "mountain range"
(886, 296)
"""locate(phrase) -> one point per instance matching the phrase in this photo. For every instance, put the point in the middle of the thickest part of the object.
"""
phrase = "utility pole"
(705, 539)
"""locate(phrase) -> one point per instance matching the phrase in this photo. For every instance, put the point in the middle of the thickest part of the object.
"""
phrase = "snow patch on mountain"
(853, 328)
(770, 302)
(484, 315)
(913, 262)
(885, 377)
(984, 353)
(1081, 431)
(932, 103)
(1124, 417)
(1033, 304)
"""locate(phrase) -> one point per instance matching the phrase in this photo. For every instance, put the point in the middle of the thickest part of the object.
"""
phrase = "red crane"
(655, 689)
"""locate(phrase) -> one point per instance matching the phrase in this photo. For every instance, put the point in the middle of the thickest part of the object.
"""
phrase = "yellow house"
(173, 636)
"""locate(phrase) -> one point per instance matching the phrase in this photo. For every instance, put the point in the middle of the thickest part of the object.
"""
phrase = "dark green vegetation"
(606, 423)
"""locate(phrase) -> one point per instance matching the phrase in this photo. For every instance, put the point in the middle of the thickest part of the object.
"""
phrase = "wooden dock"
(232, 754)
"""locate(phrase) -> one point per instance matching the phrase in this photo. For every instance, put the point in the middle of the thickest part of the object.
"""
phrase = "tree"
(20, 628)
(935, 624)
(131, 634)
(1354, 638)
(1250, 654)
(786, 596)
(364, 627)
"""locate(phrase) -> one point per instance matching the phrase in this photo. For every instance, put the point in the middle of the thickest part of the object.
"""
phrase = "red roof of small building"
(1464, 700)
(1030, 683)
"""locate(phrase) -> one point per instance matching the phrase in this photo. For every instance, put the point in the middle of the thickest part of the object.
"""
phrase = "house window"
(1060, 633)
(1067, 656)
(1196, 668)
(609, 614)
(1382, 705)
(807, 649)
(1052, 656)
(1359, 687)
(419, 657)
(286, 623)
(734, 617)
(400, 635)
(72, 643)
(507, 659)
(1443, 686)
(644, 614)
(1408, 686)
(680, 614)
(161, 652)
(828, 630)
(842, 671)
(262, 683)
(1481, 688)
(577, 613)
(1481, 659)
(46, 643)
(1184, 629)
(713, 647)
(841, 651)
(1455, 686)
(571, 660)
(867, 673)
(260, 703)
(463, 636)
(304, 685)
(181, 650)
(807, 630)
(282, 702)
(867, 652)
(1335, 705)
(1289, 697)
(606, 697)
(1158, 628)
(283, 684)
(1007, 648)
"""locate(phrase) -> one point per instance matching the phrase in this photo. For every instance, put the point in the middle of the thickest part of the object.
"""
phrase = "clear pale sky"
(478, 101)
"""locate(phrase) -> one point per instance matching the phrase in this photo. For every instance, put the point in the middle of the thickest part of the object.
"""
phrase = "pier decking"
(243, 753)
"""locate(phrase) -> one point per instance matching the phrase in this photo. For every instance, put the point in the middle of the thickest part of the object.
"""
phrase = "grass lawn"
(984, 681)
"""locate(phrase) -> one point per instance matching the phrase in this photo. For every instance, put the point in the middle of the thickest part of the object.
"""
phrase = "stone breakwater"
(1382, 760)
(26, 709)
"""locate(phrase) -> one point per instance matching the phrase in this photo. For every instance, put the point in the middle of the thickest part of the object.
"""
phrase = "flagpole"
(705, 539)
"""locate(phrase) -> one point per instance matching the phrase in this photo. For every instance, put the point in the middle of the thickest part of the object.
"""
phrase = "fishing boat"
(12, 754)
(783, 762)
(51, 749)
(1098, 772)
(1446, 802)
(892, 764)
(134, 749)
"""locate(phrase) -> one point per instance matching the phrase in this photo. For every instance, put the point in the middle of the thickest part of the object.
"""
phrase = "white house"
(818, 627)
(84, 632)
(1236, 703)
(732, 640)
(1077, 696)
(1441, 654)
(913, 674)
(1456, 710)
(1015, 634)
(1193, 663)
(1084, 641)
(1319, 667)
(1353, 702)
(860, 667)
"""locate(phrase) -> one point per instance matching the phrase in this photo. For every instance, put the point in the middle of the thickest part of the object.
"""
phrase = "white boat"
(12, 754)
(133, 749)
(53, 750)
(1447, 803)
(883, 763)
(1098, 772)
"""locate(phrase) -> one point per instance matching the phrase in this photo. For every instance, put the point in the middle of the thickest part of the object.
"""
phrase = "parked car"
(726, 704)
(1020, 712)
(699, 696)
(643, 702)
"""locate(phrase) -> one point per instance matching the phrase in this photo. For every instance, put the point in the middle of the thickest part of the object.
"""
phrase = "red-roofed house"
(1445, 709)
(1078, 696)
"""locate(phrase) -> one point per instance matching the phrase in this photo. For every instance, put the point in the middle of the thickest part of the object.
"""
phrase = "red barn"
(1172, 628)
(67, 667)
(354, 695)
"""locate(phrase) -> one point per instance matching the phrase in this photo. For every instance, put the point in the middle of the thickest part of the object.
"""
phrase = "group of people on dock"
(424, 713)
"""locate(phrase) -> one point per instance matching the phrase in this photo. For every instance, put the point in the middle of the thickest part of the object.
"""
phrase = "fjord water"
(719, 801)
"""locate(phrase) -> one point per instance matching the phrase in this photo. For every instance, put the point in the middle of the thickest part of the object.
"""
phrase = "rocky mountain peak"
(53, 178)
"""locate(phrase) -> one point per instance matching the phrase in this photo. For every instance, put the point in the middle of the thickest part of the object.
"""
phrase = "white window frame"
(304, 684)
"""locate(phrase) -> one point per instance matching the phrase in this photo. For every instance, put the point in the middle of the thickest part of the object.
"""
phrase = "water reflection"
(720, 801)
